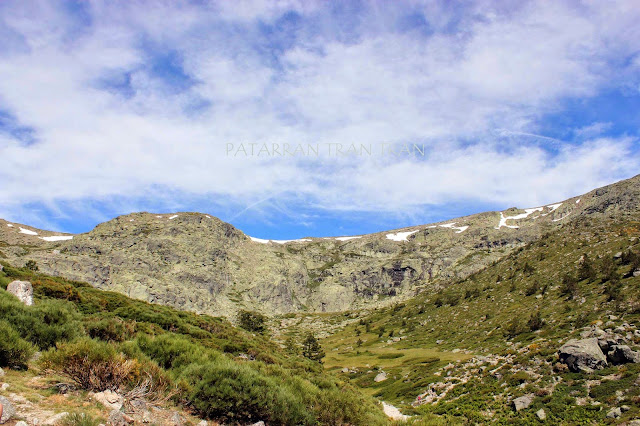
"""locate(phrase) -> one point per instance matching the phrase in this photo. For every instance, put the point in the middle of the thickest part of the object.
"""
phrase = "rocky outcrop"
(23, 290)
(109, 399)
(582, 355)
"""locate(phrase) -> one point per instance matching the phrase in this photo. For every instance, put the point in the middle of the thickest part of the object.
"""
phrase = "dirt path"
(392, 412)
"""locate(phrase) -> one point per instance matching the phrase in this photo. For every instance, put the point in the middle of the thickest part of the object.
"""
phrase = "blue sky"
(108, 108)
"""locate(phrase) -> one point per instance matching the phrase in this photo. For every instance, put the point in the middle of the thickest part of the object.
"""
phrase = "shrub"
(238, 394)
(31, 265)
(586, 270)
(172, 351)
(44, 324)
(110, 329)
(535, 321)
(92, 365)
(569, 286)
(252, 321)
(15, 352)
(79, 419)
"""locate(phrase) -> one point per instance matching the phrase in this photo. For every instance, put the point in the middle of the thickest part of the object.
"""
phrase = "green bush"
(44, 324)
(14, 351)
(110, 329)
(235, 393)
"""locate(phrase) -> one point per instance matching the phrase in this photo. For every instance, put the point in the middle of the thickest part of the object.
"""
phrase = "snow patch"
(130, 220)
(57, 238)
(578, 200)
(302, 240)
(208, 216)
(27, 231)
(554, 207)
(400, 236)
(9, 225)
(459, 229)
(347, 238)
(504, 219)
(173, 217)
(261, 241)
(159, 217)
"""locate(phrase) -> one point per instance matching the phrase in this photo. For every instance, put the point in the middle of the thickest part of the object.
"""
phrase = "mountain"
(196, 262)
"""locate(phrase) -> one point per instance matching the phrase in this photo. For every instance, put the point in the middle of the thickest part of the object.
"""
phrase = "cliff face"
(195, 262)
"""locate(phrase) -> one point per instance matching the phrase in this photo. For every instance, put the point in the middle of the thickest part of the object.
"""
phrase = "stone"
(109, 399)
(625, 408)
(21, 423)
(345, 370)
(202, 423)
(523, 402)
(541, 414)
(381, 377)
(636, 273)
(622, 354)
(176, 419)
(8, 409)
(53, 420)
(23, 290)
(4, 387)
(260, 423)
(614, 413)
(582, 355)
(116, 418)
(1, 373)
(635, 422)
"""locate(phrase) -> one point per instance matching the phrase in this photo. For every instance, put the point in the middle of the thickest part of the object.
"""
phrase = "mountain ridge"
(197, 262)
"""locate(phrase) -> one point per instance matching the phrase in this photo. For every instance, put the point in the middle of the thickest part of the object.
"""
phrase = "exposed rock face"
(582, 355)
(195, 262)
(523, 402)
(23, 290)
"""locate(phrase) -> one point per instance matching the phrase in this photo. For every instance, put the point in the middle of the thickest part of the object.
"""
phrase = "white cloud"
(502, 69)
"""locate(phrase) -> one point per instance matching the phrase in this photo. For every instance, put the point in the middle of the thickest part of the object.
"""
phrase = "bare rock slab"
(23, 290)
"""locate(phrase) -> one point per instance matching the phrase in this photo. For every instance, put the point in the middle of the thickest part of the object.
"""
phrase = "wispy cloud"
(136, 101)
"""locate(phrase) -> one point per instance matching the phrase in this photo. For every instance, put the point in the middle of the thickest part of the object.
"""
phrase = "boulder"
(380, 377)
(23, 290)
(541, 414)
(614, 413)
(21, 423)
(7, 409)
(636, 273)
(109, 399)
(523, 402)
(622, 354)
(582, 355)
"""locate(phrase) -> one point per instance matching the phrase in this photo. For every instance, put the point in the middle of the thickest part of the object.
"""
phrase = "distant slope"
(196, 262)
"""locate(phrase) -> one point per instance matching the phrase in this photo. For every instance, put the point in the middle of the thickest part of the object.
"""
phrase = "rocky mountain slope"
(196, 262)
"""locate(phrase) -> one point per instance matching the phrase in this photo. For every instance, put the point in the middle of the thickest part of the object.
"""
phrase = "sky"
(293, 118)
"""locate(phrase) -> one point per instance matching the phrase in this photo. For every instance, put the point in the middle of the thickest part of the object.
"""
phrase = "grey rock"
(582, 355)
(625, 408)
(53, 420)
(636, 273)
(21, 423)
(541, 414)
(260, 423)
(635, 422)
(381, 377)
(523, 402)
(4, 387)
(203, 423)
(117, 418)
(614, 413)
(622, 354)
(23, 290)
(8, 409)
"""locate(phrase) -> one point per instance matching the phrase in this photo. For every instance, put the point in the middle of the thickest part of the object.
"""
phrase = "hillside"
(100, 356)
(196, 262)
(466, 350)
